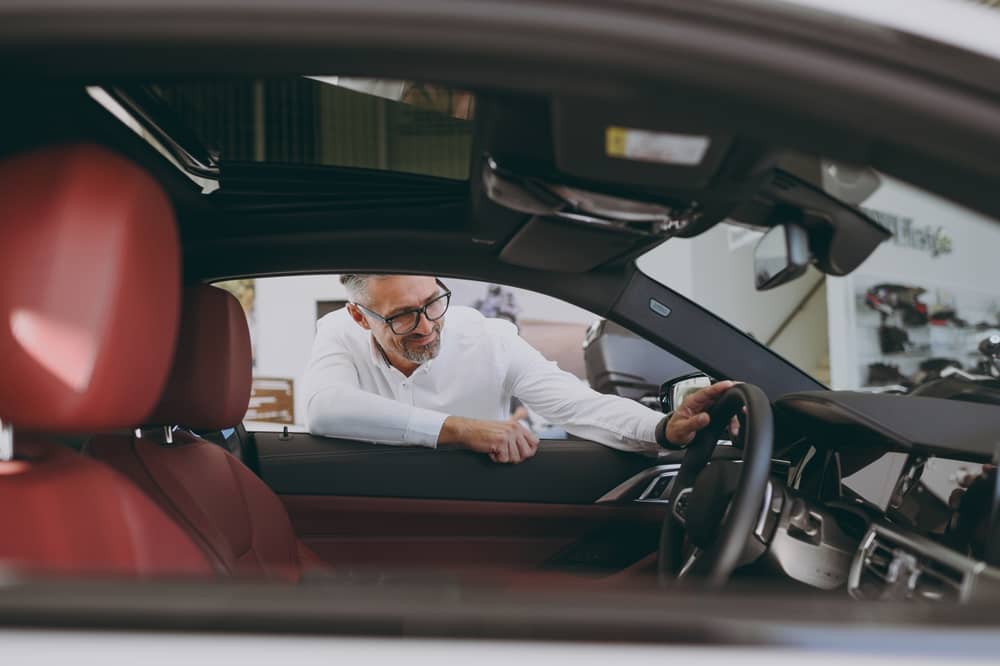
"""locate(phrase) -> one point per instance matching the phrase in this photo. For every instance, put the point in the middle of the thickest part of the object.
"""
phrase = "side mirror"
(673, 391)
(780, 256)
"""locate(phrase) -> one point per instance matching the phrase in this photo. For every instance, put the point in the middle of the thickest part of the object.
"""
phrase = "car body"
(914, 98)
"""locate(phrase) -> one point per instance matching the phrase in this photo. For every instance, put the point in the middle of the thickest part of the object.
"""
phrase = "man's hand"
(504, 441)
(692, 415)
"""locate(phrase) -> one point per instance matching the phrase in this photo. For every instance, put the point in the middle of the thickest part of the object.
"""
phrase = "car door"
(576, 506)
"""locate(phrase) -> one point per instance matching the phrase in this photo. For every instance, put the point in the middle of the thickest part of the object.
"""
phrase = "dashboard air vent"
(890, 568)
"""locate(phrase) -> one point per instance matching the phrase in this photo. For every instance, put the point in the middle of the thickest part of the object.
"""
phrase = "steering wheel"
(700, 504)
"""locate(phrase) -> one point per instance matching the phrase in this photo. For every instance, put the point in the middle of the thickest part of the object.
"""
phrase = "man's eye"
(404, 319)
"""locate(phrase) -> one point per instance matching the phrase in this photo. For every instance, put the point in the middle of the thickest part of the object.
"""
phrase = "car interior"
(130, 364)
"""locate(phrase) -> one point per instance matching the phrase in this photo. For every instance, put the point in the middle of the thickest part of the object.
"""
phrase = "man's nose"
(424, 327)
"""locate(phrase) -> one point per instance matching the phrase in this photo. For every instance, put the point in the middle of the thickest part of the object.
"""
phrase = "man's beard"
(423, 353)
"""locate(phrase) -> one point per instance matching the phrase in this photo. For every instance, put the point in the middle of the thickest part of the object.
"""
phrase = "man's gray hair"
(357, 285)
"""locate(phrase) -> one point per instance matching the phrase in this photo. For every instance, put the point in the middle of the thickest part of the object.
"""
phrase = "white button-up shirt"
(354, 393)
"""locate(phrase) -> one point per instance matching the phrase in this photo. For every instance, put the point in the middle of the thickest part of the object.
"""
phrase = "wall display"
(925, 300)
(908, 333)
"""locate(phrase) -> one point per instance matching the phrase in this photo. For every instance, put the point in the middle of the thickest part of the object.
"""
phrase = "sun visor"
(583, 183)
(638, 146)
(557, 245)
(572, 229)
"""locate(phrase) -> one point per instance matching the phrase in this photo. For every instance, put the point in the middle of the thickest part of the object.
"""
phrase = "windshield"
(919, 308)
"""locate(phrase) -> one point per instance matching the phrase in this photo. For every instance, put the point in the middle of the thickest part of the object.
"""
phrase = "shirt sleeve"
(337, 406)
(563, 399)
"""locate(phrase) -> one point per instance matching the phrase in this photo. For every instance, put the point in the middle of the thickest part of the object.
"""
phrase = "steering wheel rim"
(757, 434)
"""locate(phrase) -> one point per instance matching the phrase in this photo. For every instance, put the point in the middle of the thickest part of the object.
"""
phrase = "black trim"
(562, 472)
(704, 340)
(854, 421)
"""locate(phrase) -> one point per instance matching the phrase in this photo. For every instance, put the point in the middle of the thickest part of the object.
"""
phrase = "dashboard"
(904, 507)
(889, 497)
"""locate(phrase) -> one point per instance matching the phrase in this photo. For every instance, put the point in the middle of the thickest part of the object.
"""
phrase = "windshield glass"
(919, 308)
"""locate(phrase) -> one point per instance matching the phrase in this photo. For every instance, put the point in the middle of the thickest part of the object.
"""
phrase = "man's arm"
(611, 420)
(563, 399)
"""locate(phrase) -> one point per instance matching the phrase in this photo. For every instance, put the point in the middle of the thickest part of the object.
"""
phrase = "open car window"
(283, 313)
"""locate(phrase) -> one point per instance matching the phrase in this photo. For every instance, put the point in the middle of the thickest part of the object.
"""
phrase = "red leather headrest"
(209, 386)
(90, 290)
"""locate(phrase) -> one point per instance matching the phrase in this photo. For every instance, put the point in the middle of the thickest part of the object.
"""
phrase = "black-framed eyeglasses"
(407, 321)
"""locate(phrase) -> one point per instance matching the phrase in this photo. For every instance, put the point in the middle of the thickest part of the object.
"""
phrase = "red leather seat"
(234, 516)
(90, 296)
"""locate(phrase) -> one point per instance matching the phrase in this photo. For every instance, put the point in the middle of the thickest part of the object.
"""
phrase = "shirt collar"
(380, 361)
(378, 357)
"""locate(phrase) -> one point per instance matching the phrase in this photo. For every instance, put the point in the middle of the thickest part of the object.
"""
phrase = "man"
(386, 369)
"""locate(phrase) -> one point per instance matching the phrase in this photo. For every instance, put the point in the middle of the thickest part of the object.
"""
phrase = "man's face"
(389, 296)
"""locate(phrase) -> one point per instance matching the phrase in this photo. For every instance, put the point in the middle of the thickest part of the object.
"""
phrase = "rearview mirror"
(780, 256)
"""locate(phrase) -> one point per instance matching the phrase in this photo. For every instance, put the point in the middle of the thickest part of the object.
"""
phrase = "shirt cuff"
(648, 428)
(424, 427)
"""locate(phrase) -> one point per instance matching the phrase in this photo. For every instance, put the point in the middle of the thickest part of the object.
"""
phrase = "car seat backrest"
(89, 300)
(240, 522)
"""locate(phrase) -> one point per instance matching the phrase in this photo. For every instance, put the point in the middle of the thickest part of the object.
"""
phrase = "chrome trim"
(858, 564)
(622, 490)
(673, 510)
(691, 560)
(204, 166)
(6, 442)
(644, 496)
(168, 435)
(762, 520)
(921, 547)
(206, 177)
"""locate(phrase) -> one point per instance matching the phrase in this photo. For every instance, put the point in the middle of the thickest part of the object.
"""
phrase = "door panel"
(449, 535)
(363, 506)
(562, 472)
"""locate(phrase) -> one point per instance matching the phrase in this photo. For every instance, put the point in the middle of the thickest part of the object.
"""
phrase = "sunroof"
(390, 125)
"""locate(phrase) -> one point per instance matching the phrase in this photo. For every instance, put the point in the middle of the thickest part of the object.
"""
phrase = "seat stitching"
(175, 510)
(246, 506)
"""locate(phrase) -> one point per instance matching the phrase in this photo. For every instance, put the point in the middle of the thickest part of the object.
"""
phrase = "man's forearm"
(351, 413)
(453, 431)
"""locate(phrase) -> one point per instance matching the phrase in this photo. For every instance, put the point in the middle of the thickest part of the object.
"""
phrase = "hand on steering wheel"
(693, 414)
(698, 506)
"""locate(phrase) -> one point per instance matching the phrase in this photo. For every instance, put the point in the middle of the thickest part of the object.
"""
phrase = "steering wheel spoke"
(680, 505)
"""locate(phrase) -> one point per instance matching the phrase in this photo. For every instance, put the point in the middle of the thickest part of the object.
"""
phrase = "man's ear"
(358, 316)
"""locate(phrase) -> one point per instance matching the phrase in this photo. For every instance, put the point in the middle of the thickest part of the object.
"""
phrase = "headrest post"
(6, 442)
(168, 434)
(138, 433)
